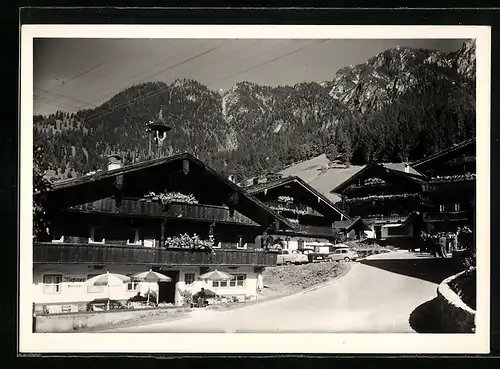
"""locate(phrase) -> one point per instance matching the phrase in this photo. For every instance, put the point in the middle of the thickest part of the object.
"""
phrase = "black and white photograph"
(255, 184)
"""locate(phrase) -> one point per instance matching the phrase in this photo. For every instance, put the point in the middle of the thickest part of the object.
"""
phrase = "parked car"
(291, 257)
(315, 255)
(343, 254)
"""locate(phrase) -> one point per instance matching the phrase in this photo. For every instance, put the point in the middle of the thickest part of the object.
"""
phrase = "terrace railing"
(70, 253)
(136, 207)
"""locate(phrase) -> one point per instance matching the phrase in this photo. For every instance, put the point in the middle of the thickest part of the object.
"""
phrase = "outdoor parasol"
(152, 277)
(216, 275)
(108, 279)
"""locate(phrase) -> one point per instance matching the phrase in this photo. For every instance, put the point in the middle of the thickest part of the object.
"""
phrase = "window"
(96, 235)
(238, 281)
(456, 207)
(133, 237)
(441, 208)
(94, 289)
(241, 243)
(188, 278)
(217, 245)
(52, 283)
(133, 285)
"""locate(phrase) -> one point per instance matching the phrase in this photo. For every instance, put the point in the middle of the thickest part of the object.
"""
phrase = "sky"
(74, 74)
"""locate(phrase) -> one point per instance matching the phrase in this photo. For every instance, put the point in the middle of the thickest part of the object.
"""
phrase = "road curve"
(366, 300)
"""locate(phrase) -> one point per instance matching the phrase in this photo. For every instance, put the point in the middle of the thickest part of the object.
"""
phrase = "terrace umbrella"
(152, 277)
(216, 275)
(108, 279)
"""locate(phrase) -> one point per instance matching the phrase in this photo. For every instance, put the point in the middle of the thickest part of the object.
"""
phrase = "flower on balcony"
(281, 208)
(285, 199)
(186, 241)
(373, 181)
(169, 197)
(293, 220)
(382, 197)
(456, 177)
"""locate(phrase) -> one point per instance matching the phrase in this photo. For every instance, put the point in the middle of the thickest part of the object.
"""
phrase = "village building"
(318, 220)
(388, 197)
(451, 187)
(172, 215)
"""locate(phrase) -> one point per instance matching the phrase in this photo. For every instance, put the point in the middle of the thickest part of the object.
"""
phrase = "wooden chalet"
(451, 187)
(387, 198)
(130, 219)
(313, 213)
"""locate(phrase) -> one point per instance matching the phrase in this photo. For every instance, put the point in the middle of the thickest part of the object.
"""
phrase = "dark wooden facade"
(386, 199)
(297, 201)
(106, 219)
(451, 186)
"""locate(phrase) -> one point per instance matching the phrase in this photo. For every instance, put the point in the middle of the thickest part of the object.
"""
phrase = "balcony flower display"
(382, 197)
(457, 177)
(291, 220)
(285, 199)
(373, 181)
(170, 197)
(280, 208)
(193, 242)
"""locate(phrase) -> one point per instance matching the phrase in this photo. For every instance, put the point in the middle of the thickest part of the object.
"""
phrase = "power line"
(66, 97)
(144, 70)
(156, 92)
(56, 103)
(89, 70)
(268, 61)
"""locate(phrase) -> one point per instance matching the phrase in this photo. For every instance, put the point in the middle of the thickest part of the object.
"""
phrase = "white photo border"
(300, 343)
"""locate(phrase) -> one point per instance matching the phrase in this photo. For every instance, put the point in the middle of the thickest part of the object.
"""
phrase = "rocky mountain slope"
(403, 103)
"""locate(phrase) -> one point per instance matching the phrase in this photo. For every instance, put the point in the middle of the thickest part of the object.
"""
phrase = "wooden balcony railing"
(65, 253)
(386, 219)
(317, 230)
(134, 207)
(445, 216)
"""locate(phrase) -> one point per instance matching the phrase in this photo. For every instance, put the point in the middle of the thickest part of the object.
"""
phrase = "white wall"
(74, 290)
(248, 289)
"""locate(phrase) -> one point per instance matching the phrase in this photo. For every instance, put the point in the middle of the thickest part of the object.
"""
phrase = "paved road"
(366, 300)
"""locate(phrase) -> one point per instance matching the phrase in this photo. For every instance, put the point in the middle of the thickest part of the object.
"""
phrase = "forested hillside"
(401, 104)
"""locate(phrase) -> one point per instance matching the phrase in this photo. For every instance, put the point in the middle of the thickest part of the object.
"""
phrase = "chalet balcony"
(455, 216)
(69, 253)
(447, 186)
(297, 209)
(135, 207)
(317, 231)
(386, 219)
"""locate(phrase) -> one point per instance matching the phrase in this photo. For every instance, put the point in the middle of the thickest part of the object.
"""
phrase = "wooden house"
(174, 215)
(387, 197)
(451, 187)
(313, 213)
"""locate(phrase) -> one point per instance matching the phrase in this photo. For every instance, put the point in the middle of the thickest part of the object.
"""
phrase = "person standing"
(442, 245)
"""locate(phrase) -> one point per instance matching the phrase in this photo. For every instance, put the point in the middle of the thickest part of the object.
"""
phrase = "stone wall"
(72, 322)
(455, 315)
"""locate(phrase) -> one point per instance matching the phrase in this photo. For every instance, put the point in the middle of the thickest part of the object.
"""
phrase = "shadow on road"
(428, 269)
(425, 318)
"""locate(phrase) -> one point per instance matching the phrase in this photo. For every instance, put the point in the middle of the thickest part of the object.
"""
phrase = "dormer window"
(96, 235)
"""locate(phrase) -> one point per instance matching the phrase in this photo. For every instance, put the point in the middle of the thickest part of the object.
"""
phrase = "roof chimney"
(114, 162)
(232, 178)
(407, 168)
